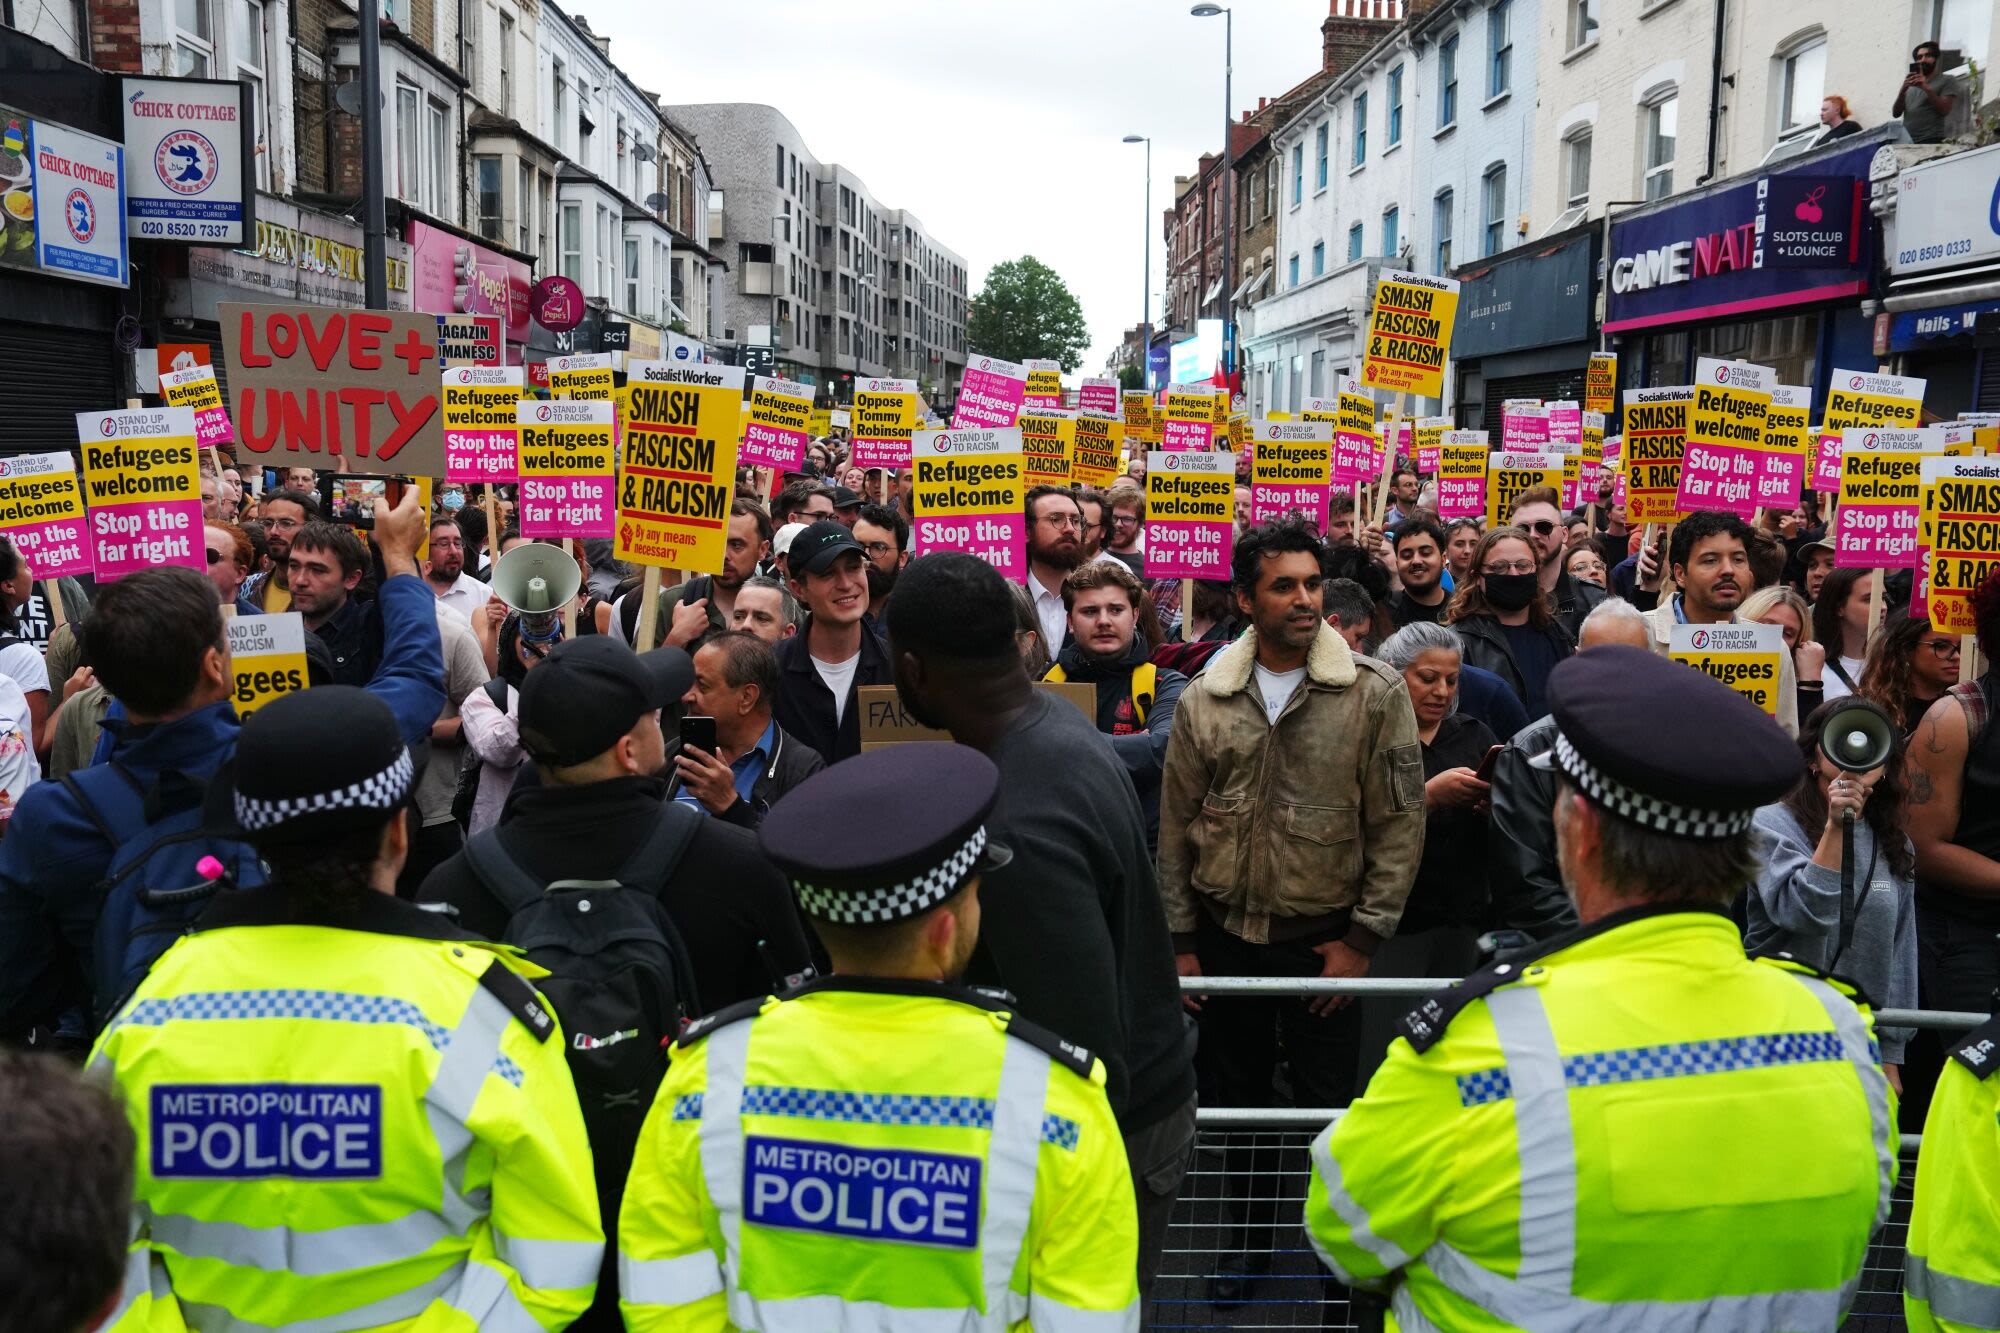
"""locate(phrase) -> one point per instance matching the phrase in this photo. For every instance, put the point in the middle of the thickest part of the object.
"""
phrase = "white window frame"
(1788, 70)
(1392, 229)
(409, 141)
(1493, 210)
(1656, 179)
(248, 56)
(1357, 243)
(441, 159)
(1583, 23)
(572, 242)
(193, 48)
(1442, 205)
(506, 65)
(1448, 82)
(1393, 130)
(498, 217)
(1577, 141)
(1358, 155)
(524, 206)
(1500, 49)
(632, 270)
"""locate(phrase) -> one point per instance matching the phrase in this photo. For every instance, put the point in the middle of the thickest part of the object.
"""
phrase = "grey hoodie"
(1795, 907)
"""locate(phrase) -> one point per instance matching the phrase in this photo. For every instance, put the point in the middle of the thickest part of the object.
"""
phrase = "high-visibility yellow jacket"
(882, 1154)
(1641, 1129)
(1951, 1266)
(365, 1127)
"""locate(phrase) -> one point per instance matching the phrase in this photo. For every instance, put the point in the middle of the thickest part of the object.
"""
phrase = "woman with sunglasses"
(1910, 666)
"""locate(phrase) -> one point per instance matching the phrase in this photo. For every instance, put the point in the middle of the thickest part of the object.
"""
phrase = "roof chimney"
(1352, 27)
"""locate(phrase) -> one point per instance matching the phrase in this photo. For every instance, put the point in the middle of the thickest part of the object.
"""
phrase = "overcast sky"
(997, 124)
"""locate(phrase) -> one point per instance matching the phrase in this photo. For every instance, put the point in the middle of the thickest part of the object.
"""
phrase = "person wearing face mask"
(1709, 557)
(1503, 620)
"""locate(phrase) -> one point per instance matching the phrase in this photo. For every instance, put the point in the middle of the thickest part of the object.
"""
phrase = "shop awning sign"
(190, 142)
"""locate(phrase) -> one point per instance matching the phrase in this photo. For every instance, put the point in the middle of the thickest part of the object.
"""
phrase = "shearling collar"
(1328, 663)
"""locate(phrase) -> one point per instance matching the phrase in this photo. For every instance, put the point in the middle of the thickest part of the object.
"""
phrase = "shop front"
(1771, 269)
(1525, 327)
(453, 274)
(1940, 315)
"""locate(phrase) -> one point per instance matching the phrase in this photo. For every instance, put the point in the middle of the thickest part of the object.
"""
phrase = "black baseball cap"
(814, 550)
(844, 498)
(590, 691)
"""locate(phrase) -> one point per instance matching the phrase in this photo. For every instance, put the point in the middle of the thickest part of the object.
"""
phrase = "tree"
(1026, 313)
(1131, 377)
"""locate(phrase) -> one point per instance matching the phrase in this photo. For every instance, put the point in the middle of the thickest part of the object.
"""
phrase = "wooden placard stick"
(649, 607)
(1396, 414)
(569, 607)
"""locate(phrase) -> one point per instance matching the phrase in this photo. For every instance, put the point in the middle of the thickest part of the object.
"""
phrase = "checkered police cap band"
(895, 902)
(1681, 821)
(383, 791)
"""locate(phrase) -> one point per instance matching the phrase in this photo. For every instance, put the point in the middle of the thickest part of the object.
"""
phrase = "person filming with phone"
(1927, 98)
(733, 760)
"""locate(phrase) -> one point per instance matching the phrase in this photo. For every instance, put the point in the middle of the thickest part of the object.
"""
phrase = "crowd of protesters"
(1320, 767)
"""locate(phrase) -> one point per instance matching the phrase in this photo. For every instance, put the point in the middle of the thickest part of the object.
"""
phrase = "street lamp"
(1207, 11)
(1146, 286)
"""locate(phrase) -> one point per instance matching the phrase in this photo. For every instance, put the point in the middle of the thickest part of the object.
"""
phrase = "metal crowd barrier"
(1261, 1231)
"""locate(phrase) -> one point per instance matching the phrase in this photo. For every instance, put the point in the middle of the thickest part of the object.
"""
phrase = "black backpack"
(620, 978)
(466, 794)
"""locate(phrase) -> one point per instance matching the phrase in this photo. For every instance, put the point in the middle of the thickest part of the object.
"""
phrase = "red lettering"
(283, 335)
(246, 339)
(410, 418)
(414, 351)
(1705, 252)
(364, 342)
(364, 402)
(256, 440)
(323, 343)
(297, 419)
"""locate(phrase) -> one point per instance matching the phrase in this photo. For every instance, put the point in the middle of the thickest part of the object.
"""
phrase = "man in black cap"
(589, 718)
(976, 1163)
(846, 506)
(1638, 1087)
(1074, 925)
(838, 649)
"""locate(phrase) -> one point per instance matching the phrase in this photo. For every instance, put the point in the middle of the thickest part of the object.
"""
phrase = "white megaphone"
(537, 580)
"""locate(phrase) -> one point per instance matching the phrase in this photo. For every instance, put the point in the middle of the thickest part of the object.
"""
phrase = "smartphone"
(1914, 68)
(1485, 770)
(698, 733)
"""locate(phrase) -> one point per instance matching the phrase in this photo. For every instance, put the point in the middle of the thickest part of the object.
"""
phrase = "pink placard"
(1718, 477)
(1356, 458)
(1269, 503)
(880, 453)
(1826, 462)
(55, 548)
(768, 446)
(774, 442)
(1098, 396)
(1180, 550)
(481, 455)
(1176, 436)
(146, 535)
(1001, 540)
(1524, 429)
(558, 507)
(1875, 536)
(1780, 477)
(989, 394)
(1461, 497)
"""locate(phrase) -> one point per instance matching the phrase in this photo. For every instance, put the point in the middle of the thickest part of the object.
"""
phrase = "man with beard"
(1709, 557)
(1419, 548)
(445, 573)
(1073, 925)
(1536, 512)
(838, 649)
(1055, 547)
(693, 612)
(1135, 699)
(884, 535)
(1291, 823)
(284, 513)
(1125, 538)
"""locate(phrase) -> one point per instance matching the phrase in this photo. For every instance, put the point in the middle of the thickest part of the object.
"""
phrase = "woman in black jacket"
(1504, 622)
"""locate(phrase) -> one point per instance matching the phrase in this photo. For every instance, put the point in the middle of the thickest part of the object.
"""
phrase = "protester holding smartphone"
(733, 759)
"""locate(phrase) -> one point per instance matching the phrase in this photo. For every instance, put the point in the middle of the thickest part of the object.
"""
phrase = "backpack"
(1145, 679)
(466, 794)
(620, 977)
(152, 890)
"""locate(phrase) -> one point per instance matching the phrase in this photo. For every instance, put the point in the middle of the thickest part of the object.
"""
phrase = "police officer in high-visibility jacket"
(350, 1113)
(880, 1148)
(1636, 1127)
(1951, 1266)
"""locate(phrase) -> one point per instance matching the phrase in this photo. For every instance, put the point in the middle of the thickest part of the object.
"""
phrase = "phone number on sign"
(1945, 251)
(213, 230)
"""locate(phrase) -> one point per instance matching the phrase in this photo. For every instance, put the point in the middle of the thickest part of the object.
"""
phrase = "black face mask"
(1510, 592)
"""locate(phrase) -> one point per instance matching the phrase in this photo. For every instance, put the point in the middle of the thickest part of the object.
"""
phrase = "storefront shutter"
(1551, 386)
(1989, 380)
(78, 373)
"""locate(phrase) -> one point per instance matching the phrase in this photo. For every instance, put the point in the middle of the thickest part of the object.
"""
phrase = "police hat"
(887, 835)
(313, 765)
(1663, 745)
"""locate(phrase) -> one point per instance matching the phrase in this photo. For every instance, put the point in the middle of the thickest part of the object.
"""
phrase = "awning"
(1252, 286)
(1214, 288)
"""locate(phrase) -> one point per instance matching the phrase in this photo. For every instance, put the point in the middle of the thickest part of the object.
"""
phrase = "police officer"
(1637, 1127)
(1951, 1269)
(881, 1148)
(350, 1113)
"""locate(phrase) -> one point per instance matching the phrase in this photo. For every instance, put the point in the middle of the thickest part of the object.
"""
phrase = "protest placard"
(1291, 470)
(990, 393)
(196, 388)
(1964, 535)
(1190, 418)
(267, 659)
(1655, 443)
(1725, 437)
(1048, 437)
(1238, 431)
(679, 465)
(1524, 426)
(566, 472)
(1100, 443)
(1142, 419)
(1881, 481)
(142, 484)
(1857, 398)
(1426, 439)
(1044, 384)
(1512, 471)
(967, 494)
(884, 720)
(1744, 656)
(1354, 437)
(1787, 447)
(1098, 395)
(1588, 474)
(1600, 382)
(470, 340)
(481, 431)
(1827, 445)
(1190, 513)
(309, 384)
(885, 415)
(584, 377)
(1461, 475)
(1408, 334)
(776, 428)
(41, 512)
(1565, 426)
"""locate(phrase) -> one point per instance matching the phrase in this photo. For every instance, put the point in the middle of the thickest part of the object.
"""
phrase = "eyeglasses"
(1541, 527)
(1513, 567)
(1124, 520)
(1942, 647)
(877, 549)
(1060, 521)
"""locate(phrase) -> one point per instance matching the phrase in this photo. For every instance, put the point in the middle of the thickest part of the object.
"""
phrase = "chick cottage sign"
(189, 144)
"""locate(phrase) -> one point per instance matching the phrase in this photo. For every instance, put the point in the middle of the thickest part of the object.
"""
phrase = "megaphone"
(1857, 736)
(537, 581)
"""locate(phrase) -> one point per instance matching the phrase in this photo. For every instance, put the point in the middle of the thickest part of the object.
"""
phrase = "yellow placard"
(1142, 416)
(679, 466)
(267, 659)
(1856, 398)
(820, 423)
(1048, 438)
(1100, 441)
(1747, 658)
(1190, 419)
(1962, 505)
(584, 377)
(1656, 423)
(1508, 474)
(1044, 383)
(1600, 382)
(1409, 334)
(1291, 453)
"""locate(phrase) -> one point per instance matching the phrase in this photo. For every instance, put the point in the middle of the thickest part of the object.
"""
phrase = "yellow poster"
(679, 465)
(1656, 422)
(1044, 383)
(1856, 398)
(143, 487)
(1409, 334)
(1508, 474)
(1745, 657)
(1190, 422)
(584, 377)
(1963, 535)
(1100, 440)
(267, 659)
(1600, 382)
(1048, 437)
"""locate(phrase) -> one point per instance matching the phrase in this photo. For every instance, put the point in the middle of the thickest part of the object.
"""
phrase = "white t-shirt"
(22, 663)
(466, 596)
(1836, 688)
(1278, 687)
(18, 769)
(839, 677)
